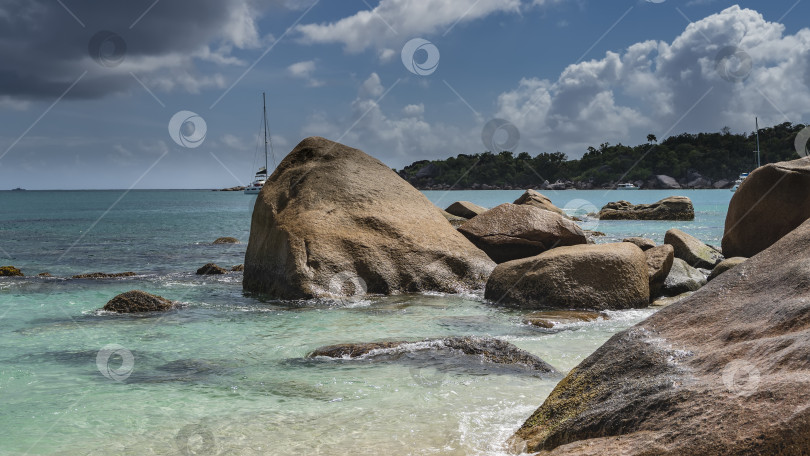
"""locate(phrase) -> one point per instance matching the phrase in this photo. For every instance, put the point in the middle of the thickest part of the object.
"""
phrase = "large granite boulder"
(330, 214)
(770, 203)
(598, 277)
(692, 250)
(722, 372)
(465, 209)
(659, 263)
(682, 278)
(136, 301)
(670, 208)
(511, 231)
(534, 198)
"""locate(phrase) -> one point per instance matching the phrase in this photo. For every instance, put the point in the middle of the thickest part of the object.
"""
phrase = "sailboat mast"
(756, 119)
(264, 112)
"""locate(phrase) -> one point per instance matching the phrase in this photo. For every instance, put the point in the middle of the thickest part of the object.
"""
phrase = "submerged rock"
(510, 231)
(465, 209)
(682, 278)
(670, 208)
(659, 263)
(693, 251)
(488, 349)
(137, 301)
(552, 318)
(211, 269)
(534, 198)
(722, 372)
(599, 277)
(103, 275)
(226, 240)
(769, 204)
(331, 214)
(44, 274)
(10, 271)
(725, 265)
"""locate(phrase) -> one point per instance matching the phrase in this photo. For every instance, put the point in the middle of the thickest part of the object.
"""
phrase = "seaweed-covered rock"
(226, 240)
(211, 269)
(489, 349)
(138, 301)
(552, 318)
(238, 268)
(10, 271)
(103, 275)
(670, 208)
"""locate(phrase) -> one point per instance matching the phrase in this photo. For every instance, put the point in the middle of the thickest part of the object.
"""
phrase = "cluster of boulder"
(670, 208)
(723, 371)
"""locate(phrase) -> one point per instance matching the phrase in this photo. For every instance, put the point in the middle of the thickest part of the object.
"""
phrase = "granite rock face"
(720, 372)
(511, 231)
(770, 203)
(331, 215)
(596, 277)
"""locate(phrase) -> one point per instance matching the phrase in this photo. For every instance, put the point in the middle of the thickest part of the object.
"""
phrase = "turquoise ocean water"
(226, 374)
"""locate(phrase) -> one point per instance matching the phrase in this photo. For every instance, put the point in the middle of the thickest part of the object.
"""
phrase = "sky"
(168, 94)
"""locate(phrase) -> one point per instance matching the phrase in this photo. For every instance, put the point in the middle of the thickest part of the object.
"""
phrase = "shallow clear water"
(227, 373)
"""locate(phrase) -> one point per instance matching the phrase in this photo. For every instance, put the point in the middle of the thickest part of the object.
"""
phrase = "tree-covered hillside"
(698, 160)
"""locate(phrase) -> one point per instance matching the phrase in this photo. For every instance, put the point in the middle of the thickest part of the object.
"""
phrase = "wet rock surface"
(487, 349)
(136, 301)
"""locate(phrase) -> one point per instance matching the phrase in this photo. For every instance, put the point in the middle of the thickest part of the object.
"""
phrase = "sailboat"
(743, 176)
(261, 175)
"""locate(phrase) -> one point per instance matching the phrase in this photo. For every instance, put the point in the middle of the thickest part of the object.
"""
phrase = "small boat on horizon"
(18, 189)
(626, 186)
(261, 175)
(744, 175)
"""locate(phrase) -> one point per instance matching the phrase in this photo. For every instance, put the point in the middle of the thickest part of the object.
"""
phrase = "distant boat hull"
(253, 190)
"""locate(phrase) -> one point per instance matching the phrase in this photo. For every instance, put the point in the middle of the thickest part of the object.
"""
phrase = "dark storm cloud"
(43, 48)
